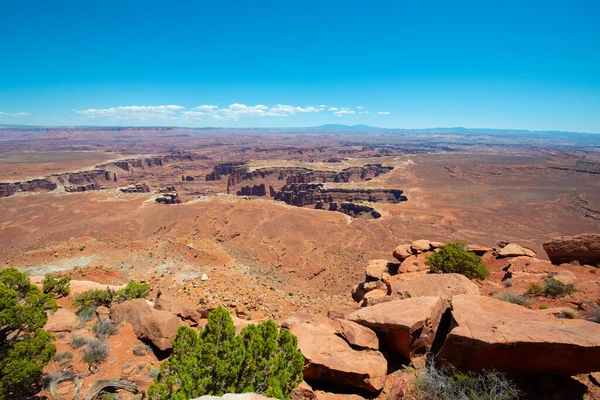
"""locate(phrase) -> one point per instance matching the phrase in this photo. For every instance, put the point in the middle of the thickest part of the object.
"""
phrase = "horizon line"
(324, 126)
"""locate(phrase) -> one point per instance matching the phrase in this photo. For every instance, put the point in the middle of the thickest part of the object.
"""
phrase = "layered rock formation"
(307, 194)
(255, 190)
(137, 188)
(168, 198)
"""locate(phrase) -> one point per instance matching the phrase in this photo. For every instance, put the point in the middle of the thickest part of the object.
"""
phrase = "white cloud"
(234, 111)
(133, 112)
(383, 112)
(19, 114)
(343, 111)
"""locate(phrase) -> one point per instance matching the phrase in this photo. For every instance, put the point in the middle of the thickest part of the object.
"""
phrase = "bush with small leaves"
(139, 351)
(95, 352)
(534, 289)
(511, 297)
(86, 313)
(567, 313)
(595, 315)
(555, 288)
(56, 287)
(543, 306)
(133, 290)
(449, 384)
(62, 356)
(456, 258)
(78, 341)
(104, 328)
(153, 372)
(507, 282)
(94, 298)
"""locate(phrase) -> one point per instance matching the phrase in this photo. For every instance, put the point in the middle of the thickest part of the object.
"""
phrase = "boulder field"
(404, 315)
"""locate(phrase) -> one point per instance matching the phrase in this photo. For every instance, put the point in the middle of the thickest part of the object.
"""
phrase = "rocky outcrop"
(137, 188)
(422, 285)
(407, 326)
(486, 333)
(515, 250)
(329, 358)
(82, 188)
(168, 198)
(584, 249)
(307, 194)
(61, 321)
(34, 185)
(156, 326)
(357, 335)
(178, 307)
(256, 190)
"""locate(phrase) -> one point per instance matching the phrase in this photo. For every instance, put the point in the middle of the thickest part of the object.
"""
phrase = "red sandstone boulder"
(443, 285)
(414, 263)
(61, 321)
(330, 358)
(178, 307)
(486, 333)
(421, 245)
(583, 248)
(376, 268)
(102, 312)
(357, 335)
(157, 326)
(514, 250)
(407, 326)
(401, 252)
(302, 392)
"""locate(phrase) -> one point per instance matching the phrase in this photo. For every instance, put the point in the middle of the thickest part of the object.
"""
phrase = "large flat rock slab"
(491, 334)
(442, 285)
(328, 357)
(407, 326)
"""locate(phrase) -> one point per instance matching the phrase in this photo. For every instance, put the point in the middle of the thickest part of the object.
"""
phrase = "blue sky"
(411, 64)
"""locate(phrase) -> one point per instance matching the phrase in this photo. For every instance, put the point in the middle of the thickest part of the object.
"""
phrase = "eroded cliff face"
(312, 193)
(93, 179)
(149, 162)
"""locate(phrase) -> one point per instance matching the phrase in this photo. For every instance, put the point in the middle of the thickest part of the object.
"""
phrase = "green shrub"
(261, 359)
(94, 298)
(511, 297)
(535, 289)
(56, 287)
(105, 297)
(96, 352)
(133, 290)
(62, 356)
(543, 306)
(555, 288)
(86, 313)
(455, 258)
(78, 341)
(449, 384)
(567, 313)
(104, 328)
(595, 315)
(25, 347)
